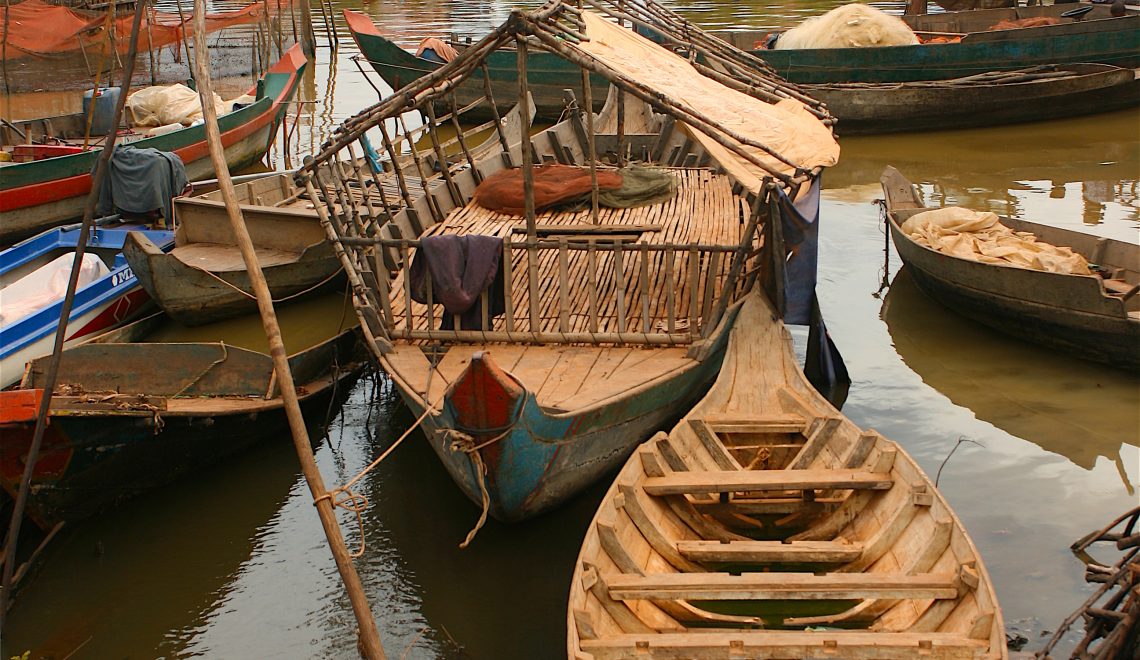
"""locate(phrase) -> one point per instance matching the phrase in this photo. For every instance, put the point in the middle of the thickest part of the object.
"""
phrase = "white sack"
(173, 104)
(849, 26)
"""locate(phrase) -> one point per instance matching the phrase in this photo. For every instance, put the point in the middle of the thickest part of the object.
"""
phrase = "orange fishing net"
(553, 183)
(38, 29)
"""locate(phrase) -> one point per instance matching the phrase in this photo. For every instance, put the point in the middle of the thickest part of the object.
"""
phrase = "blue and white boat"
(33, 280)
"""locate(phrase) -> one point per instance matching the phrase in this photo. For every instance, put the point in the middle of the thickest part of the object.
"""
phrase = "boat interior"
(766, 524)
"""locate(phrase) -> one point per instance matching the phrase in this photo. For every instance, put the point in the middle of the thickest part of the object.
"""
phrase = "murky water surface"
(232, 563)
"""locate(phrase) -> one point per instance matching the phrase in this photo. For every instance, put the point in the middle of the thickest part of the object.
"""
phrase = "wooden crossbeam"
(780, 586)
(760, 424)
(761, 552)
(729, 481)
(785, 644)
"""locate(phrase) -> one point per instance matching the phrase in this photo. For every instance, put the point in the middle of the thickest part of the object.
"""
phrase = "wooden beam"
(730, 481)
(785, 643)
(763, 552)
(780, 586)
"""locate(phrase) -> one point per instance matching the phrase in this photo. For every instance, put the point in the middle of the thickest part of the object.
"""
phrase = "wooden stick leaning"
(101, 168)
(369, 636)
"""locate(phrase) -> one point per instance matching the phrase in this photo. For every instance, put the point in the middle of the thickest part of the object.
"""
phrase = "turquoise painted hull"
(544, 459)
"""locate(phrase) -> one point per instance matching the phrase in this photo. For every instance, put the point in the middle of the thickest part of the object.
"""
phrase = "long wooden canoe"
(1092, 317)
(203, 279)
(612, 326)
(1094, 38)
(131, 414)
(42, 193)
(989, 99)
(767, 525)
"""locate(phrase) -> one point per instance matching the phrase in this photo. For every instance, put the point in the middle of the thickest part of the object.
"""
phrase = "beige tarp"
(785, 127)
(981, 237)
(173, 104)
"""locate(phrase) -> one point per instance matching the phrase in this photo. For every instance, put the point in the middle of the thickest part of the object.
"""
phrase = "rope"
(357, 503)
(275, 300)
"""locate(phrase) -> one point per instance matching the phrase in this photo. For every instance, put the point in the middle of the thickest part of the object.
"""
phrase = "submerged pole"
(369, 636)
(101, 168)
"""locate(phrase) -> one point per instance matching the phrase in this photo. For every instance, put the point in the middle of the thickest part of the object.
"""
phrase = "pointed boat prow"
(485, 399)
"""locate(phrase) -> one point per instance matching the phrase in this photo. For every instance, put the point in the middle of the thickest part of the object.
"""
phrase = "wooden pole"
(101, 167)
(369, 636)
(308, 39)
(185, 41)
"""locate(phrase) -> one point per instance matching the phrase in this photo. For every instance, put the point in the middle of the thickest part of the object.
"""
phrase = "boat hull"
(193, 296)
(91, 459)
(109, 302)
(923, 107)
(40, 194)
(1061, 311)
(545, 458)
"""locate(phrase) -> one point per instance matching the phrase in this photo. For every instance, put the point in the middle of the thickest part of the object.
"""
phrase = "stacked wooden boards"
(767, 525)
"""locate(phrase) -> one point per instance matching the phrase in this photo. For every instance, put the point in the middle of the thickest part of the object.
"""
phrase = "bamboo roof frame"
(557, 27)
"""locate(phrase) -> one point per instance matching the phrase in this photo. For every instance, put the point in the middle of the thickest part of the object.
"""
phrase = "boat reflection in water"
(1066, 406)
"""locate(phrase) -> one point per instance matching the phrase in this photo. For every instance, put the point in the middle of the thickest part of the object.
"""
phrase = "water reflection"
(1067, 406)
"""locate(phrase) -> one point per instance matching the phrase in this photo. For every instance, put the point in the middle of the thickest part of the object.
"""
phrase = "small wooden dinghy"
(767, 525)
(203, 279)
(1095, 317)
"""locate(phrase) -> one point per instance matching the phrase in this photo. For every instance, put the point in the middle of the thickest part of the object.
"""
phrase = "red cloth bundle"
(553, 184)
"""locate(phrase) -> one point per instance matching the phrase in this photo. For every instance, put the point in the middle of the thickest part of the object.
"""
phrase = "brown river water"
(232, 562)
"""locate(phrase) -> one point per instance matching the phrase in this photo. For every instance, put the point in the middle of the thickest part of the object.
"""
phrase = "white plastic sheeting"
(849, 26)
(173, 104)
(46, 285)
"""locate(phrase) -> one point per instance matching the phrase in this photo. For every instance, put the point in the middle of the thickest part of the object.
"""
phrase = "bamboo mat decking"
(704, 211)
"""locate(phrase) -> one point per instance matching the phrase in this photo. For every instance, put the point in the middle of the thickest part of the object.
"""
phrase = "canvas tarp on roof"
(786, 127)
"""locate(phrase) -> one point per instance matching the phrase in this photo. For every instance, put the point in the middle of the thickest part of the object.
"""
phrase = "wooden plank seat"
(730, 481)
(780, 586)
(1121, 288)
(736, 423)
(785, 644)
(761, 552)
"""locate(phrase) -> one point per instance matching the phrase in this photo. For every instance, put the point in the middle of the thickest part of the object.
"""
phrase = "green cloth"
(640, 186)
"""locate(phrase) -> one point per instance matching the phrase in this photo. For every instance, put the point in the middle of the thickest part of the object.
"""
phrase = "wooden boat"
(1093, 317)
(105, 302)
(51, 188)
(203, 279)
(1094, 38)
(767, 525)
(119, 426)
(611, 327)
(988, 99)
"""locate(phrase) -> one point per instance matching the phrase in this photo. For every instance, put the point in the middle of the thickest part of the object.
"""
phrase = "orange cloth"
(1036, 21)
(441, 48)
(503, 190)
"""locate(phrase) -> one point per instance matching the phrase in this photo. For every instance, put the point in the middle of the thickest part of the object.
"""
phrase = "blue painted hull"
(110, 301)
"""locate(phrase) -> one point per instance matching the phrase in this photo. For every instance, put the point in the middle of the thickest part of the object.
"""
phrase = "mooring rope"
(275, 300)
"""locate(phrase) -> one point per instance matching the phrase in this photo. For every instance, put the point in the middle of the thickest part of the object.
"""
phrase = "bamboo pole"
(101, 167)
(308, 39)
(186, 41)
(369, 636)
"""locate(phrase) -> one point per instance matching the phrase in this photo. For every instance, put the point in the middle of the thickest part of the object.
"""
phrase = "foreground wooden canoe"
(39, 194)
(1088, 316)
(767, 525)
(130, 413)
(989, 99)
(203, 279)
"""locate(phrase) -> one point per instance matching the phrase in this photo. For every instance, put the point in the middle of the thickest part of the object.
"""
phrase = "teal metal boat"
(956, 44)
